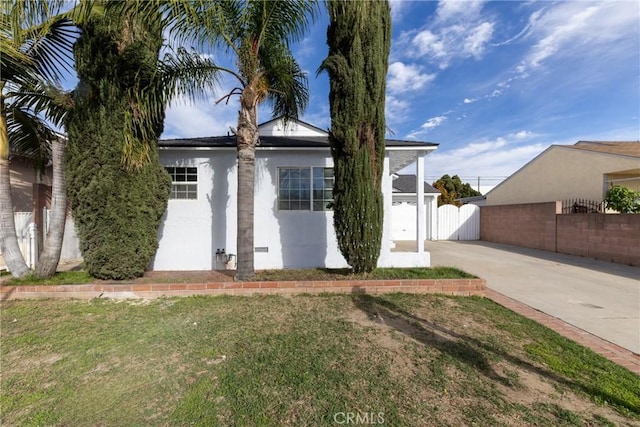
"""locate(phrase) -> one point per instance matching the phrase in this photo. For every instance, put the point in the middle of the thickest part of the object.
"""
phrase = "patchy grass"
(60, 278)
(80, 277)
(406, 360)
(377, 274)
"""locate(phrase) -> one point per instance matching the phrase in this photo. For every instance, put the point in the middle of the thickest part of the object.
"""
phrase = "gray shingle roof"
(274, 141)
(407, 184)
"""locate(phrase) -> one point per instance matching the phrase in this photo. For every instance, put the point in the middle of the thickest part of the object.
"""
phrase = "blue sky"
(494, 83)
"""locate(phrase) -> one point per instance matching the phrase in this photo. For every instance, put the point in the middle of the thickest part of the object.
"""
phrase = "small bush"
(623, 199)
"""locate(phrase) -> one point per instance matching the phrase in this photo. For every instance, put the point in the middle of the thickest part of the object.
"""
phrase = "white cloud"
(523, 134)
(204, 118)
(469, 100)
(397, 8)
(457, 10)
(577, 29)
(496, 159)
(396, 109)
(477, 40)
(424, 129)
(433, 122)
(459, 31)
(404, 78)
(431, 45)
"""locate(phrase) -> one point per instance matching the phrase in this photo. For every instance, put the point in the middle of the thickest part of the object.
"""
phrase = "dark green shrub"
(117, 207)
(359, 37)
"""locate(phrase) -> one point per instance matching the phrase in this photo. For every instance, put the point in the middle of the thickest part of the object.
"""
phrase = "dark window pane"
(305, 205)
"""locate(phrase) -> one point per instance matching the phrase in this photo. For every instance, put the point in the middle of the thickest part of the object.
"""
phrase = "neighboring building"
(31, 197)
(27, 184)
(293, 195)
(404, 210)
(473, 200)
(585, 170)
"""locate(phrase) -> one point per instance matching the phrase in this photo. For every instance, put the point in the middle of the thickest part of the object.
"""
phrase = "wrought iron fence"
(570, 206)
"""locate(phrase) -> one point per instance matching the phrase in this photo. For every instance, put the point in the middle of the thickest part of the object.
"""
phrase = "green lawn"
(405, 360)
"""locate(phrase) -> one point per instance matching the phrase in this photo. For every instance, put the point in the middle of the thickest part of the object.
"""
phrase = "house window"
(305, 189)
(323, 189)
(184, 182)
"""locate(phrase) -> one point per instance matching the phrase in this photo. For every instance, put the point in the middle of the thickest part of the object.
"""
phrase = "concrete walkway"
(599, 297)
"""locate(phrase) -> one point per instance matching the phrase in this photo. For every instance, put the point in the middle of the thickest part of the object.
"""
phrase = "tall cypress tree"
(359, 39)
(117, 205)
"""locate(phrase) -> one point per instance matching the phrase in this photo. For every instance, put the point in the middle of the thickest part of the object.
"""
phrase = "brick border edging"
(607, 349)
(463, 287)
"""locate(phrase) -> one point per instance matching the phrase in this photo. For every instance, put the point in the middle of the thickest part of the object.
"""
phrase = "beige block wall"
(608, 237)
(560, 173)
(531, 225)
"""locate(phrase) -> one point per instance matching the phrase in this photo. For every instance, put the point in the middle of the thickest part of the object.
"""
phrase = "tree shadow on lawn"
(466, 349)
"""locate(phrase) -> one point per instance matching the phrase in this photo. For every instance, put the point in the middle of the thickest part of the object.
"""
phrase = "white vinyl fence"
(461, 223)
(27, 234)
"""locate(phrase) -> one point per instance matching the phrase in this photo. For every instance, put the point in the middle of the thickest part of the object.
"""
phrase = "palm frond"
(29, 137)
(36, 34)
(42, 99)
(287, 82)
(281, 21)
(51, 47)
(189, 74)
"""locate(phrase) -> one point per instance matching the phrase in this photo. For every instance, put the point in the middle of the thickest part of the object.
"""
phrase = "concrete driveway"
(600, 297)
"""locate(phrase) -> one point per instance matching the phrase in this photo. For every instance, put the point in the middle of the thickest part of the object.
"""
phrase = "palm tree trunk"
(50, 256)
(8, 239)
(247, 136)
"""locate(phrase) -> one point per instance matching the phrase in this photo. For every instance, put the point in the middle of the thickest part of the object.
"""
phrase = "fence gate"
(461, 223)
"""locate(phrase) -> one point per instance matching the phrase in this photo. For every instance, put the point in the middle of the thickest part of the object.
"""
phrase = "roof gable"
(291, 128)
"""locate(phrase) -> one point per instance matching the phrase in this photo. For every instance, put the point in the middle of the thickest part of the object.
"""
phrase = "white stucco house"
(293, 191)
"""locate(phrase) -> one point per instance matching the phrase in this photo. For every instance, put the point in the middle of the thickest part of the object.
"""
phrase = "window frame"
(190, 186)
(311, 188)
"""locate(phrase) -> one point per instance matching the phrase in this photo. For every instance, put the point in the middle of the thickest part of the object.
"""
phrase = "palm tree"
(34, 50)
(256, 33)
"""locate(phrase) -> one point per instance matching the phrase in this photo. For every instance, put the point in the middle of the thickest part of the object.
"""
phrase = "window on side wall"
(184, 182)
(305, 189)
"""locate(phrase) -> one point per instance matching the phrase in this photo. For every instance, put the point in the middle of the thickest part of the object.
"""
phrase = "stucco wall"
(560, 173)
(193, 230)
